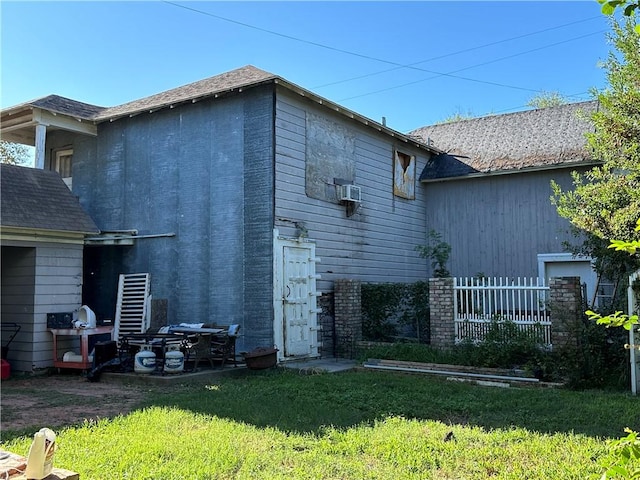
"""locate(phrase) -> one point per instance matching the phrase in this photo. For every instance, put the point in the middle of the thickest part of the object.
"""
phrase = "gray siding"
(377, 244)
(496, 225)
(38, 280)
(204, 172)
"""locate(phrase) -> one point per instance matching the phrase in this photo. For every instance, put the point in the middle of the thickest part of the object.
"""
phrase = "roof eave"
(291, 87)
(355, 116)
(495, 173)
(17, 233)
(161, 106)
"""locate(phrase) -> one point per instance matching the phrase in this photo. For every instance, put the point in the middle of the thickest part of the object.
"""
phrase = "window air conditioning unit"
(349, 193)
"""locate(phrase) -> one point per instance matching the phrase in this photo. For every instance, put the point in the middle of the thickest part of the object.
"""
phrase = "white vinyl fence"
(482, 302)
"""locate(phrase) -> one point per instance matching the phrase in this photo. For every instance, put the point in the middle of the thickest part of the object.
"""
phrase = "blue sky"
(414, 63)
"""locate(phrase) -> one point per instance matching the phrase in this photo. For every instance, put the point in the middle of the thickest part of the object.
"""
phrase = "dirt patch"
(60, 400)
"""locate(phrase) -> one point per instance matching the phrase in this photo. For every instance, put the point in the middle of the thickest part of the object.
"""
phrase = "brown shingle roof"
(66, 106)
(234, 79)
(543, 138)
(39, 199)
(63, 105)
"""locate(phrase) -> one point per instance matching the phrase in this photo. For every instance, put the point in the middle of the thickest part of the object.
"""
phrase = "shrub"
(505, 345)
(598, 360)
(388, 308)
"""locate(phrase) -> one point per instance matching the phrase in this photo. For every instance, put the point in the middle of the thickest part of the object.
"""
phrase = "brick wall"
(565, 300)
(348, 316)
(441, 306)
(326, 321)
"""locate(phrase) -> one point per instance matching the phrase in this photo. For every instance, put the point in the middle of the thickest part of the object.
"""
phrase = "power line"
(347, 52)
(466, 50)
(450, 74)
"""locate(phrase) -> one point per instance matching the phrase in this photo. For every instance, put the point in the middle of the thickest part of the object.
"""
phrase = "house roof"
(73, 108)
(545, 138)
(58, 104)
(37, 199)
(233, 80)
(230, 82)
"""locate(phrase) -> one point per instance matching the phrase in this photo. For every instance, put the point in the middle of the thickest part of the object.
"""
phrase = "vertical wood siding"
(38, 280)
(377, 244)
(497, 225)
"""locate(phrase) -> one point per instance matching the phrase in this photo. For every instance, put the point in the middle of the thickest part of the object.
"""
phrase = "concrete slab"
(320, 365)
(304, 366)
(158, 378)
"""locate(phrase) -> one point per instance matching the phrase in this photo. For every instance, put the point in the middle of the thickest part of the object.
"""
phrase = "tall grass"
(352, 425)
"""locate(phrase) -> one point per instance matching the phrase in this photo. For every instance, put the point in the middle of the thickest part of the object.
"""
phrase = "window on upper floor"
(62, 163)
(404, 175)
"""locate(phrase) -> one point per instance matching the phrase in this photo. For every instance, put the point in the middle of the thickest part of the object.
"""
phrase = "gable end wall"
(377, 244)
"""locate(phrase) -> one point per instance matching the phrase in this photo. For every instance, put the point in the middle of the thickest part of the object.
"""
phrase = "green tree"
(609, 264)
(629, 8)
(605, 200)
(547, 99)
(13, 153)
(437, 251)
(458, 116)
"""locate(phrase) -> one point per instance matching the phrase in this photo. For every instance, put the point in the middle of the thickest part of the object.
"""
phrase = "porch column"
(442, 312)
(41, 136)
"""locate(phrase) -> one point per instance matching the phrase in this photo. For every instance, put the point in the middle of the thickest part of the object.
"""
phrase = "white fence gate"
(480, 302)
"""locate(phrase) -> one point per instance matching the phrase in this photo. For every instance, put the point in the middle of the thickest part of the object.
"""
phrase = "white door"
(296, 313)
(568, 265)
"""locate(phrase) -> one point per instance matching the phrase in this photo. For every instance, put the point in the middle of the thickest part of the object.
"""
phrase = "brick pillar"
(441, 308)
(326, 321)
(565, 298)
(348, 316)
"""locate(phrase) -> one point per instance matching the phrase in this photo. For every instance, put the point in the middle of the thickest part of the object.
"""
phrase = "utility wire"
(466, 50)
(451, 74)
(347, 52)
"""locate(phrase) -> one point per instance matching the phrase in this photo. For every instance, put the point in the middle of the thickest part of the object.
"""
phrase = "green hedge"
(389, 308)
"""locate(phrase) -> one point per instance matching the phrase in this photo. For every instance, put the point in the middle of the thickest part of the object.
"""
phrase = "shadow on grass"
(292, 402)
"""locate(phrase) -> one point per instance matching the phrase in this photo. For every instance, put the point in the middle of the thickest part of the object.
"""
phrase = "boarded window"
(330, 154)
(404, 175)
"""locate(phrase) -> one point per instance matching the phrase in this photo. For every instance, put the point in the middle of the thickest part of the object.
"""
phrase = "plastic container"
(40, 459)
(144, 360)
(86, 317)
(74, 357)
(174, 360)
(5, 369)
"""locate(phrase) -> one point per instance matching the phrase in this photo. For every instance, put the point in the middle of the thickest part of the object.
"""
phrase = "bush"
(598, 361)
(506, 346)
(389, 308)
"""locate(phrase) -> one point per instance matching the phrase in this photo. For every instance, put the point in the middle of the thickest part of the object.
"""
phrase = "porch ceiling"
(18, 125)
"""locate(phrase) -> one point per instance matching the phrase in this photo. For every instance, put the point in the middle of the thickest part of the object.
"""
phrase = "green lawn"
(355, 425)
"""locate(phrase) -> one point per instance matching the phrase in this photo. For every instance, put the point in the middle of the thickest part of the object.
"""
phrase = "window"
(62, 164)
(404, 175)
